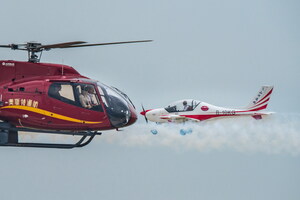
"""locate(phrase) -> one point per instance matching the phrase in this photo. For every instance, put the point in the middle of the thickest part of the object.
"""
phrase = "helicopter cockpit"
(182, 105)
(116, 103)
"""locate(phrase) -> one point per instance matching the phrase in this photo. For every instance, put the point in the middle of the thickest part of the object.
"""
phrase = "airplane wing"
(178, 118)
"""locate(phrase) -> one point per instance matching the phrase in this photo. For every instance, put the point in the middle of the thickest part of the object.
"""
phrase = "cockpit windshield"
(84, 95)
(182, 105)
(116, 104)
(124, 95)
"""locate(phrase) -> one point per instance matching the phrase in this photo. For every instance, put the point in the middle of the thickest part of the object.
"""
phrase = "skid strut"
(13, 141)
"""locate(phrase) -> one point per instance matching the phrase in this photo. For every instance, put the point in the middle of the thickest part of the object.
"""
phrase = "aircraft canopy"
(182, 105)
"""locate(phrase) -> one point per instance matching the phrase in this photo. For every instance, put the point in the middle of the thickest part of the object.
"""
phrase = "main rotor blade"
(5, 46)
(61, 45)
(110, 43)
(14, 46)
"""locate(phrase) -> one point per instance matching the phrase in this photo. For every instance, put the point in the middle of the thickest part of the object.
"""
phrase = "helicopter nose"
(133, 116)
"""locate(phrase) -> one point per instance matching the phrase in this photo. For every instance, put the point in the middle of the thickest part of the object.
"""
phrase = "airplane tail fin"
(261, 100)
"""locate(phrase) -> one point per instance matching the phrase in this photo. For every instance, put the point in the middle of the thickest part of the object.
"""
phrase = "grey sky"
(219, 52)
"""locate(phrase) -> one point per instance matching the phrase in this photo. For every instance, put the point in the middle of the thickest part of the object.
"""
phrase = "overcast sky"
(219, 52)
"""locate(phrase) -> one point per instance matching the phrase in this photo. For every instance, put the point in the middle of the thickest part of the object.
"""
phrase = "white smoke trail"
(276, 134)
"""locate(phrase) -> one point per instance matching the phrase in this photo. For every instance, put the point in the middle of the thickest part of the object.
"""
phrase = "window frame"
(76, 93)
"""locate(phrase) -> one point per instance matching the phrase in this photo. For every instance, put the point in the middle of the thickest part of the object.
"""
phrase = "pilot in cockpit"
(84, 98)
(186, 107)
(54, 91)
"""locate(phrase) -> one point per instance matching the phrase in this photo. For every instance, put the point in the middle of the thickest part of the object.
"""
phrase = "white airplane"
(194, 110)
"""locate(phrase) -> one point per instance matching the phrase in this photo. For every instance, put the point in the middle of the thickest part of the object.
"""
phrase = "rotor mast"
(33, 49)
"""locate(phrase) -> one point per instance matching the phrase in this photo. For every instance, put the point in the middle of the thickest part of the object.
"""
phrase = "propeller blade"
(61, 45)
(110, 43)
(144, 113)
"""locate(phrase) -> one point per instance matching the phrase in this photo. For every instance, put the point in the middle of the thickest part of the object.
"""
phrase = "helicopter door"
(62, 96)
(64, 100)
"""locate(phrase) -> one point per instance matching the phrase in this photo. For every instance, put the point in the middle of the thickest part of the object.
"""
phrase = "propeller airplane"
(197, 111)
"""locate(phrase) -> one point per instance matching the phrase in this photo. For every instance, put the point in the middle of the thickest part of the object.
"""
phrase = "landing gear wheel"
(184, 132)
(154, 131)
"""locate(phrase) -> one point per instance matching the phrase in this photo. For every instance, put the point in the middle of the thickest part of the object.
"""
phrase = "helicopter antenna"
(62, 67)
(35, 49)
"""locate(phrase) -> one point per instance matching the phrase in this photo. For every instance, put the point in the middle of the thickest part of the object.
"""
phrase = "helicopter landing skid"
(80, 143)
(12, 141)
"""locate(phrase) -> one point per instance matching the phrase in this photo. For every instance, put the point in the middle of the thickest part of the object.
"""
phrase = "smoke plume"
(276, 134)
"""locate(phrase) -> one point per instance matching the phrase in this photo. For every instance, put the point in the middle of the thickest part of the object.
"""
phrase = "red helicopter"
(57, 99)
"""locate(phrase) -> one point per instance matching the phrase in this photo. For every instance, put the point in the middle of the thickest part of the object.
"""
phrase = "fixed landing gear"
(185, 131)
(182, 131)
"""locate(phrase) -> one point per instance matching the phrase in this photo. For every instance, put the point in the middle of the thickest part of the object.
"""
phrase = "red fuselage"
(26, 99)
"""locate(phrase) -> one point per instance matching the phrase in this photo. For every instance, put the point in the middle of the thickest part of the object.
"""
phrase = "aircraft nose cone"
(144, 112)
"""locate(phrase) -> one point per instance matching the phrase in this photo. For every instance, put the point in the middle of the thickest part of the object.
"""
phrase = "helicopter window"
(81, 95)
(117, 106)
(54, 90)
(124, 95)
(62, 92)
(67, 92)
(102, 96)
